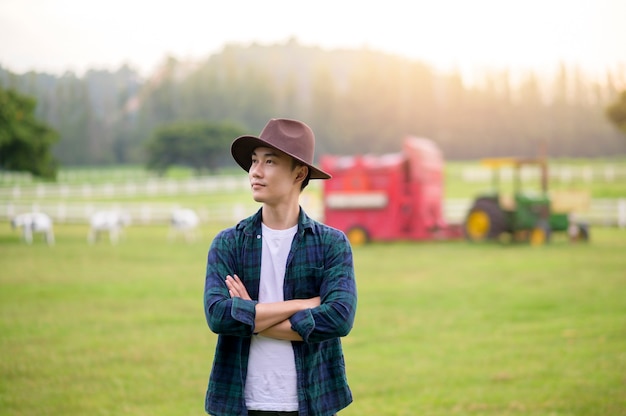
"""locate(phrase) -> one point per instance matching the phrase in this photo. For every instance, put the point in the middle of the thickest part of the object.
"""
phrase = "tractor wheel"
(539, 235)
(357, 236)
(485, 221)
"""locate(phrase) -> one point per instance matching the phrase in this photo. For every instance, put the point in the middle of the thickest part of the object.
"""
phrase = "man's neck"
(280, 217)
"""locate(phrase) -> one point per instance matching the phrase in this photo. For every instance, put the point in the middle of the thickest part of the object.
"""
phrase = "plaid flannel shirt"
(319, 264)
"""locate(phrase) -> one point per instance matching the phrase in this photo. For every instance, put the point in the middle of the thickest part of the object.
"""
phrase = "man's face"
(272, 176)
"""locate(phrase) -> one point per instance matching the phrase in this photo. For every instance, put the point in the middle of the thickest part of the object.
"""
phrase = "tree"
(73, 117)
(616, 112)
(199, 145)
(25, 142)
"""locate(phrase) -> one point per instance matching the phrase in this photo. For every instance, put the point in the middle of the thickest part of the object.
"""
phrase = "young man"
(279, 290)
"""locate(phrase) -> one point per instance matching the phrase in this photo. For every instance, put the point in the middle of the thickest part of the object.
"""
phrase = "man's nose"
(255, 170)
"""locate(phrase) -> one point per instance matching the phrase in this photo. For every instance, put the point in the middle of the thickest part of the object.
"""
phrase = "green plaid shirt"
(319, 264)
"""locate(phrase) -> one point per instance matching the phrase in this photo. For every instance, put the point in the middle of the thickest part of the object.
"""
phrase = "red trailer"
(395, 196)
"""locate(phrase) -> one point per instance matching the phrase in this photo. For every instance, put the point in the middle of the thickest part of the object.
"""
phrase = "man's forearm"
(270, 314)
(283, 331)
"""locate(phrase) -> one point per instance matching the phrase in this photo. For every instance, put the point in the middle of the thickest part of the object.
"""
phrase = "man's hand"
(236, 289)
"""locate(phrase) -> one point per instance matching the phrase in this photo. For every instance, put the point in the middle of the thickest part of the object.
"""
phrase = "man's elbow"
(344, 330)
(347, 325)
(345, 322)
(216, 319)
(215, 325)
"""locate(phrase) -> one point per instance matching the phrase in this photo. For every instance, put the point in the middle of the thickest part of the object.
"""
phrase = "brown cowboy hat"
(289, 136)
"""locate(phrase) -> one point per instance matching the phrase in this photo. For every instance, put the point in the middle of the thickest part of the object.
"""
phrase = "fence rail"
(140, 213)
(149, 187)
(137, 185)
(601, 212)
(565, 172)
(559, 173)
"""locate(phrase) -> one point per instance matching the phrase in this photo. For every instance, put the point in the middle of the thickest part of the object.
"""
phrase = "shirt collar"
(252, 225)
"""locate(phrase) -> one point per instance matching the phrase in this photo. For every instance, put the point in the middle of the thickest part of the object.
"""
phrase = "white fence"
(556, 172)
(150, 187)
(601, 212)
(134, 184)
(140, 213)
(82, 175)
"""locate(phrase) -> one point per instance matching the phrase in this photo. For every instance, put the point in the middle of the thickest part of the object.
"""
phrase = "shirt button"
(258, 236)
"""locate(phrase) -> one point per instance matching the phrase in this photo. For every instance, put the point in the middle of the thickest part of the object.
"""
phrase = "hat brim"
(243, 146)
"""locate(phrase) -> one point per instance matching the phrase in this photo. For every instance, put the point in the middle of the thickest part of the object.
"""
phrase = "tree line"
(357, 101)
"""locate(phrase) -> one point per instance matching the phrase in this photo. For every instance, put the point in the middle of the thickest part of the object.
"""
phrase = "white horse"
(112, 222)
(34, 222)
(183, 221)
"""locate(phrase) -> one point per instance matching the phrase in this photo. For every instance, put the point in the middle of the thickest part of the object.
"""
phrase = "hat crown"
(290, 136)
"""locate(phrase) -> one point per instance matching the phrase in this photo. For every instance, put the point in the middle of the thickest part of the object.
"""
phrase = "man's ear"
(303, 171)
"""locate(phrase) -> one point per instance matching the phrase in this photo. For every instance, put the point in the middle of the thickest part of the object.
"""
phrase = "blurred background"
(481, 79)
(116, 115)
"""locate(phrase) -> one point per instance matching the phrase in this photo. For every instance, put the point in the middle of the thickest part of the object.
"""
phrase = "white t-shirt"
(271, 383)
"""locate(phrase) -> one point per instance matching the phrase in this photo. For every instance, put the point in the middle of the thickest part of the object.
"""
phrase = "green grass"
(445, 328)
(474, 330)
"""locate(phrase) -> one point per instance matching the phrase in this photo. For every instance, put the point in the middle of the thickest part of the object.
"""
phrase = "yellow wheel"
(477, 225)
(357, 236)
(539, 235)
(485, 221)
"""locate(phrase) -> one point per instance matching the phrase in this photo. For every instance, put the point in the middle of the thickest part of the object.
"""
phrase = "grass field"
(443, 328)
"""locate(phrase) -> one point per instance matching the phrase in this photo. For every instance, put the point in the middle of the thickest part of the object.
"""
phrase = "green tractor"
(524, 216)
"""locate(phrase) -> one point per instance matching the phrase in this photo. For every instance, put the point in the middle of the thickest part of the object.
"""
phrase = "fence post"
(621, 213)
(587, 174)
(145, 214)
(61, 212)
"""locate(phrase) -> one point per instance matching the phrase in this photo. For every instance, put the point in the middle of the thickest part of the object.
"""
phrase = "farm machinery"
(396, 196)
(523, 216)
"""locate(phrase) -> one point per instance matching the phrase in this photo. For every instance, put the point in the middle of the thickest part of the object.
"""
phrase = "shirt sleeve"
(225, 315)
(335, 316)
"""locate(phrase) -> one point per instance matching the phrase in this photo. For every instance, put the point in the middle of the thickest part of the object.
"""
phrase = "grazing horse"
(34, 222)
(183, 221)
(112, 222)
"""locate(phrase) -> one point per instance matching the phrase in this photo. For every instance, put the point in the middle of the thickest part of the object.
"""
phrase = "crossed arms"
(230, 310)
(272, 319)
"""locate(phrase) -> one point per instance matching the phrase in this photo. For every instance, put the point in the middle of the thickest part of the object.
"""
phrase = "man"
(279, 290)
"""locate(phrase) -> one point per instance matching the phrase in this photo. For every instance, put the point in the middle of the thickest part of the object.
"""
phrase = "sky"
(470, 35)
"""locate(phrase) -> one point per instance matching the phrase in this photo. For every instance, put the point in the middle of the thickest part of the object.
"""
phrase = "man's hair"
(296, 163)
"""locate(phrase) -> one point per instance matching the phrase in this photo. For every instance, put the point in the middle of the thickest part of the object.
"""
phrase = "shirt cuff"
(244, 311)
(303, 323)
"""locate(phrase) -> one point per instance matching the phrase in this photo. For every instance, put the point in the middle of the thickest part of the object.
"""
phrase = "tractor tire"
(485, 221)
(358, 236)
(540, 234)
